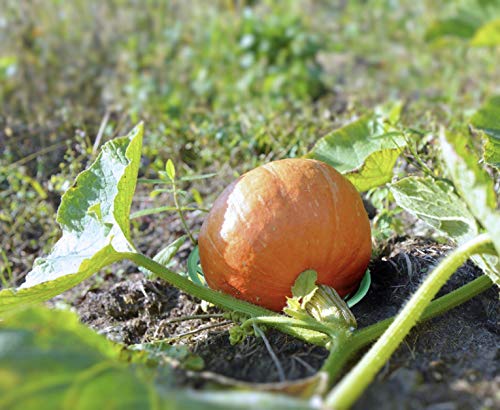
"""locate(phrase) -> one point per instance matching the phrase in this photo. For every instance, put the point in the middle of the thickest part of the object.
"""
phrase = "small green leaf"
(166, 254)
(302, 291)
(487, 119)
(365, 150)
(193, 266)
(197, 197)
(476, 188)
(96, 211)
(487, 35)
(170, 169)
(363, 289)
(237, 335)
(305, 286)
(94, 217)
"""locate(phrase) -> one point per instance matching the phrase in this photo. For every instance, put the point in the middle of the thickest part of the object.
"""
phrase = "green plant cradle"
(196, 274)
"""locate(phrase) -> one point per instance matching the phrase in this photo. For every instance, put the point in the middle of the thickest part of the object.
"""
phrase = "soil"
(448, 363)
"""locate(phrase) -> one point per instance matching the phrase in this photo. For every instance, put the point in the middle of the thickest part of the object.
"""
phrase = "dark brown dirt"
(450, 362)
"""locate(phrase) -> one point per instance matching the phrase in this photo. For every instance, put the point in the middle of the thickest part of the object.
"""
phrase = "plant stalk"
(181, 214)
(342, 353)
(355, 382)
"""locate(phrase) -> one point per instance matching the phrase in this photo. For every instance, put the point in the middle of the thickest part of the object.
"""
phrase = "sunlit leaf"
(170, 169)
(365, 150)
(376, 170)
(305, 284)
(488, 34)
(469, 19)
(302, 291)
(94, 217)
(462, 26)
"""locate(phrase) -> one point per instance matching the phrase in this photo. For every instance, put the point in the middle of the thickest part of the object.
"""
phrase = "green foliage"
(304, 287)
(224, 86)
(471, 21)
(488, 34)
(94, 217)
(194, 269)
(24, 207)
(48, 359)
(387, 221)
(476, 189)
(365, 150)
(170, 170)
(279, 55)
(487, 118)
(461, 26)
(238, 334)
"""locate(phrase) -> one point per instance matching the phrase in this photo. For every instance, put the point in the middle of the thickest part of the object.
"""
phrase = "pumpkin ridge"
(332, 256)
(283, 192)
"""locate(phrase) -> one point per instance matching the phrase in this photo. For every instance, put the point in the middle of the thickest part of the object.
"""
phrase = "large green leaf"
(94, 217)
(488, 34)
(435, 203)
(376, 170)
(487, 118)
(365, 150)
(475, 187)
(48, 360)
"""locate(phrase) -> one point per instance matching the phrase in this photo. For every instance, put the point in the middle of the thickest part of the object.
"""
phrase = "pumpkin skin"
(278, 220)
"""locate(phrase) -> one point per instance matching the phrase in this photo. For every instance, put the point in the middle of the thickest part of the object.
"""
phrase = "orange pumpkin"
(279, 220)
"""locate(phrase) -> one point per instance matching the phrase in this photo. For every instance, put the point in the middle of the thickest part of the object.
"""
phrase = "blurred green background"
(221, 85)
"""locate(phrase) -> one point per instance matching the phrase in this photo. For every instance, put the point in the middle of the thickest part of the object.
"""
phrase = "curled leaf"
(365, 150)
(476, 188)
(94, 217)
